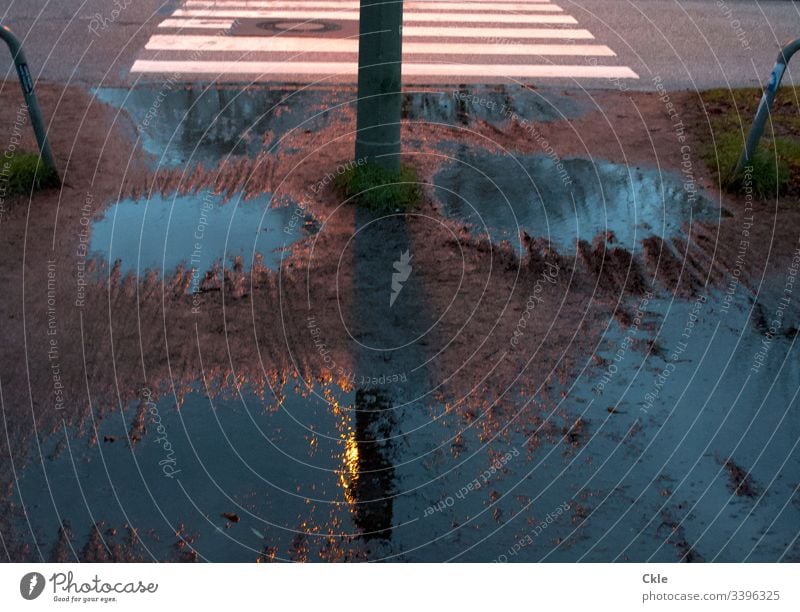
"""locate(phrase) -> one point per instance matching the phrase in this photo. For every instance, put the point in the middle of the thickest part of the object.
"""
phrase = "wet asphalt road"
(687, 45)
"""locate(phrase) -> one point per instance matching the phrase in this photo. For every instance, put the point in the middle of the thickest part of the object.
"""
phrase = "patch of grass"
(770, 173)
(744, 98)
(788, 149)
(776, 165)
(19, 174)
(380, 190)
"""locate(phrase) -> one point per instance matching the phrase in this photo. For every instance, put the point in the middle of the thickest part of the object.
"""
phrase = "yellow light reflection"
(349, 475)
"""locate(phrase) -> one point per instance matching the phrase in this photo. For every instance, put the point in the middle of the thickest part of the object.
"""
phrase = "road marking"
(353, 16)
(295, 3)
(497, 34)
(409, 69)
(490, 34)
(423, 6)
(215, 24)
(285, 44)
(214, 37)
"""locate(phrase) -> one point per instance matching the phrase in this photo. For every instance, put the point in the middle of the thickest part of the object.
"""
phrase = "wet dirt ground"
(575, 348)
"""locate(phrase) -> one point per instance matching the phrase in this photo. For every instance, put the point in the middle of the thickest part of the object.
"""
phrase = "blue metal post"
(26, 82)
(765, 106)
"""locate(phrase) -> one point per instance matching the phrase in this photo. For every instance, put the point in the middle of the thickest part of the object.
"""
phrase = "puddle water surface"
(502, 196)
(196, 230)
(196, 125)
(180, 125)
(232, 471)
(651, 474)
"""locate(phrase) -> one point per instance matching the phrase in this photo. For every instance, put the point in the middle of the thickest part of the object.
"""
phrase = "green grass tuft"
(19, 174)
(776, 164)
(380, 190)
(769, 173)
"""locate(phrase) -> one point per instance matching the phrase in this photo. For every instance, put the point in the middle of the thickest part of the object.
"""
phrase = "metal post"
(26, 82)
(379, 85)
(765, 106)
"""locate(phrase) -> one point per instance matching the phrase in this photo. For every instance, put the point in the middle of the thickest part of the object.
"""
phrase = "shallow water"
(298, 466)
(188, 125)
(502, 195)
(279, 468)
(185, 125)
(196, 230)
(497, 106)
(694, 402)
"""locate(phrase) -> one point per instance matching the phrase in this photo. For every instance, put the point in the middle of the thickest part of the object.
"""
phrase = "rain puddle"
(659, 454)
(196, 230)
(495, 105)
(186, 125)
(575, 199)
(691, 430)
(239, 476)
(659, 450)
(308, 474)
(180, 125)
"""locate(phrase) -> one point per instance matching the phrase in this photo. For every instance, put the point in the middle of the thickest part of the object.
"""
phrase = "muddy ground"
(73, 354)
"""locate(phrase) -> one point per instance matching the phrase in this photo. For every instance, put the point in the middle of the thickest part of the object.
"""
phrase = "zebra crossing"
(317, 41)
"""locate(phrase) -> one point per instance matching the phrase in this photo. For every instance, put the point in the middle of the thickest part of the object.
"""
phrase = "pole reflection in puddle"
(387, 320)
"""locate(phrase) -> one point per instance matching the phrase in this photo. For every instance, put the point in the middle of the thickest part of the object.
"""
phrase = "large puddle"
(679, 454)
(693, 438)
(180, 125)
(576, 200)
(233, 475)
(196, 230)
(186, 125)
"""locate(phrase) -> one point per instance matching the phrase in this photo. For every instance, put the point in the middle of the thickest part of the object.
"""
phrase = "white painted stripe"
(353, 16)
(306, 2)
(216, 24)
(489, 34)
(278, 44)
(462, 1)
(497, 34)
(409, 69)
(414, 6)
(302, 3)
